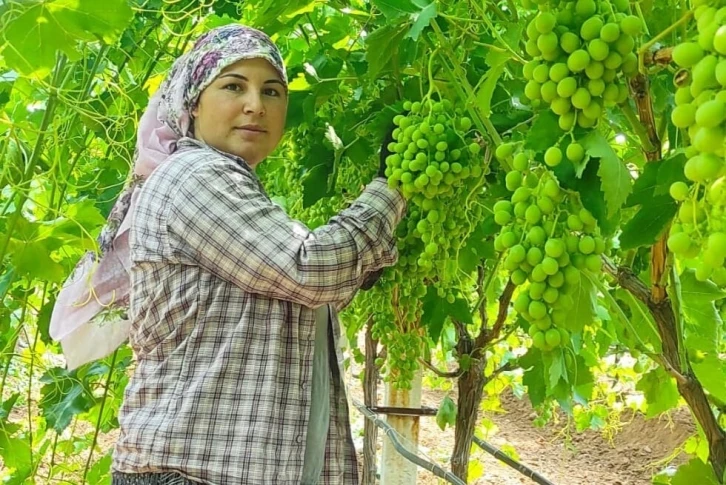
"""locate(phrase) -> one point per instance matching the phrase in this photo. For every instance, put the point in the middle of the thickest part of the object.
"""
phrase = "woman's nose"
(254, 104)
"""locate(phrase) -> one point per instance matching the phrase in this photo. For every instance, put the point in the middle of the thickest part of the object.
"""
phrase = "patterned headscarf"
(90, 315)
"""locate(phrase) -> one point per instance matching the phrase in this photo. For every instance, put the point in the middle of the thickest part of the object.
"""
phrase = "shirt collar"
(189, 142)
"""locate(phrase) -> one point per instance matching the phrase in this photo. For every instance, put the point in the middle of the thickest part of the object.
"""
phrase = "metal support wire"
(501, 456)
(400, 448)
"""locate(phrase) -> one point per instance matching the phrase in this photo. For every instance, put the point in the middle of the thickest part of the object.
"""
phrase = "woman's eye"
(272, 92)
(232, 87)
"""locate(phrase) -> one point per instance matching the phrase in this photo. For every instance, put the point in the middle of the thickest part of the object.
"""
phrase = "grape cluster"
(548, 239)
(321, 211)
(579, 49)
(437, 164)
(700, 109)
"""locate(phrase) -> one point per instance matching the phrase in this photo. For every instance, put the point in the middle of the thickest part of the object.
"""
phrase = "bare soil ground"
(633, 455)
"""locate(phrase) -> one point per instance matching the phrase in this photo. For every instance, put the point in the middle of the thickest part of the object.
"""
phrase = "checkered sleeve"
(222, 220)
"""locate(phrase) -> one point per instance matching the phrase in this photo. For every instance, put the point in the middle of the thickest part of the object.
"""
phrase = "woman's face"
(243, 110)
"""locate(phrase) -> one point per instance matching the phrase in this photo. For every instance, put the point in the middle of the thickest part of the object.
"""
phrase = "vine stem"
(100, 415)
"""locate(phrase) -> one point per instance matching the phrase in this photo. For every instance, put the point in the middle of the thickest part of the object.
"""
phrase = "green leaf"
(382, 43)
(315, 184)
(6, 280)
(554, 362)
(616, 182)
(100, 471)
(644, 186)
(393, 9)
(437, 309)
(582, 312)
(468, 259)
(588, 185)
(641, 320)
(646, 227)
(487, 85)
(534, 376)
(660, 391)
(32, 259)
(695, 472)
(544, 133)
(703, 332)
(670, 171)
(33, 36)
(421, 20)
(62, 397)
(446, 414)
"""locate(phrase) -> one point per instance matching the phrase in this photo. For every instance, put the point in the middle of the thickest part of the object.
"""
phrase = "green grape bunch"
(548, 239)
(700, 230)
(580, 52)
(438, 165)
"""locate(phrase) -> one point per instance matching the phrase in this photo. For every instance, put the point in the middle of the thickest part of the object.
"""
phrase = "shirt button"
(299, 439)
(305, 386)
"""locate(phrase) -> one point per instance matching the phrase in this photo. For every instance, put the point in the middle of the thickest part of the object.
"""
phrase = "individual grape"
(631, 25)
(558, 72)
(610, 32)
(578, 61)
(553, 156)
(591, 28)
(569, 42)
(575, 152)
(598, 50)
(567, 87)
(545, 22)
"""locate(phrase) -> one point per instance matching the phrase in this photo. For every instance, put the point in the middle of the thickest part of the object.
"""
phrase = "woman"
(233, 304)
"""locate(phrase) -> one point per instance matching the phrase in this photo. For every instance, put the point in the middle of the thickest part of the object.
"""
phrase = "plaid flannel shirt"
(224, 291)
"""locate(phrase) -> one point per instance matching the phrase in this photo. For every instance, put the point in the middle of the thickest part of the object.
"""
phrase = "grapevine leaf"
(34, 35)
(437, 309)
(468, 259)
(641, 320)
(703, 331)
(582, 312)
(544, 133)
(487, 84)
(616, 182)
(660, 391)
(315, 184)
(381, 45)
(100, 470)
(33, 259)
(62, 397)
(7, 407)
(6, 280)
(644, 186)
(421, 20)
(588, 185)
(394, 9)
(648, 224)
(554, 362)
(534, 376)
(670, 171)
(695, 471)
(44, 321)
(446, 414)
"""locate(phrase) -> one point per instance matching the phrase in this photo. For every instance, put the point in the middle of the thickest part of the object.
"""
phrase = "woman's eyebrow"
(243, 78)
